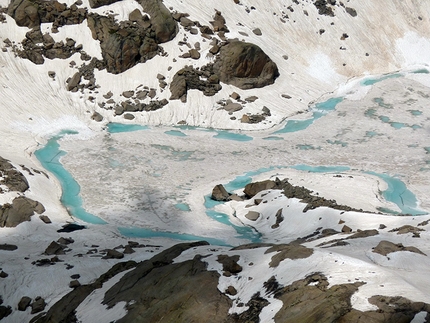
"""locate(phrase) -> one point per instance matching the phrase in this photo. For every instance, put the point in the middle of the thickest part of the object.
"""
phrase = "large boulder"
(21, 210)
(165, 27)
(219, 193)
(245, 65)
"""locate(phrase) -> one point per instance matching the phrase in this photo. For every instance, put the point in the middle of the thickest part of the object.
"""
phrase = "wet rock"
(245, 65)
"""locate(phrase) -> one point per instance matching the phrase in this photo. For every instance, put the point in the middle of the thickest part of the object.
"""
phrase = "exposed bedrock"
(156, 290)
(245, 65)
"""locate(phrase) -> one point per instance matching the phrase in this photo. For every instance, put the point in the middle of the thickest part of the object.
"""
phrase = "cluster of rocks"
(13, 179)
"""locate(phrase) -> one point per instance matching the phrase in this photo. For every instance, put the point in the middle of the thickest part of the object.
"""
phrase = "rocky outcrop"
(185, 291)
(298, 192)
(290, 251)
(31, 13)
(12, 178)
(385, 247)
(189, 78)
(21, 209)
(245, 65)
(310, 300)
(64, 310)
(123, 46)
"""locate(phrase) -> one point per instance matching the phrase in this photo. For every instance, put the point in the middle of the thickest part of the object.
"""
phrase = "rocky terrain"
(273, 168)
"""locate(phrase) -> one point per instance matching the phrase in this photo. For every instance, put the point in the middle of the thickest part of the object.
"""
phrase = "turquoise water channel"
(49, 156)
(321, 109)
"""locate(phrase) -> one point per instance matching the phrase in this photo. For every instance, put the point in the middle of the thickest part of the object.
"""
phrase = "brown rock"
(245, 65)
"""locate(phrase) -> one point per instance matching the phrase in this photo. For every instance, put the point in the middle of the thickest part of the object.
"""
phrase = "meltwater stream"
(50, 155)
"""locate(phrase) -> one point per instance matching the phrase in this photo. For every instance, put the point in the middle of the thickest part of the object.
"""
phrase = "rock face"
(313, 301)
(21, 209)
(385, 247)
(124, 45)
(185, 292)
(245, 65)
(160, 290)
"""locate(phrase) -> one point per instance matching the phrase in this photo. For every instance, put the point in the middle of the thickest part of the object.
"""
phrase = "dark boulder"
(24, 303)
(245, 65)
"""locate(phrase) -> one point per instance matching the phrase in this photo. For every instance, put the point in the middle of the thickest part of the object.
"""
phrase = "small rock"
(113, 254)
(257, 31)
(97, 117)
(74, 283)
(127, 94)
(252, 215)
(231, 290)
(3, 274)
(128, 116)
(382, 226)
(45, 219)
(346, 229)
(51, 74)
